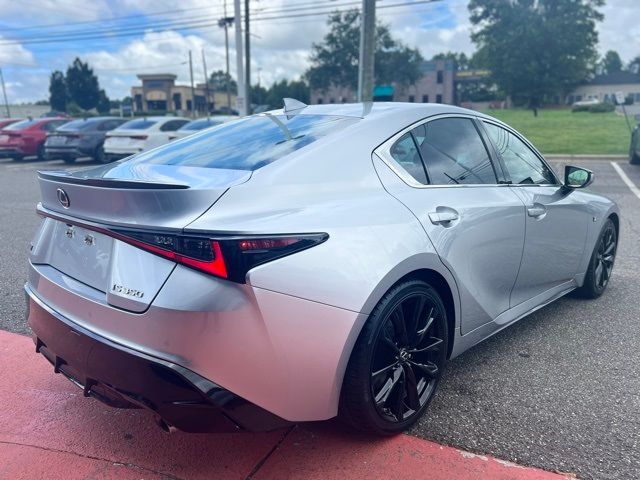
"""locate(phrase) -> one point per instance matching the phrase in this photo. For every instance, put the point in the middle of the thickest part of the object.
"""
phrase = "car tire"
(634, 148)
(17, 158)
(384, 354)
(99, 155)
(601, 263)
(41, 153)
(69, 160)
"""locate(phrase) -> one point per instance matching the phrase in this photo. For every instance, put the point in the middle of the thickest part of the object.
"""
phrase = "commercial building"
(160, 93)
(604, 88)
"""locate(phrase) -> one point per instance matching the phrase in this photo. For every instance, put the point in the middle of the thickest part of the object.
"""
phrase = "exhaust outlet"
(164, 426)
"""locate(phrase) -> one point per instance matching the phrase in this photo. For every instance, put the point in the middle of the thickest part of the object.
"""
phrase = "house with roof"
(604, 87)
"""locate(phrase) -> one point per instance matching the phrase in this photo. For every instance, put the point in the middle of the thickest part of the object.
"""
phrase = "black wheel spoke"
(384, 370)
(422, 333)
(428, 368)
(599, 273)
(396, 402)
(411, 387)
(397, 318)
(383, 395)
(434, 345)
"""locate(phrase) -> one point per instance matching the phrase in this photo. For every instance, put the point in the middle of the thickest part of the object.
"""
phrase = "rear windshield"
(137, 125)
(200, 124)
(246, 144)
(77, 125)
(21, 125)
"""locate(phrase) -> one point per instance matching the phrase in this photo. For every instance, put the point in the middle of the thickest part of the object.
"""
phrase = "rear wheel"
(397, 361)
(99, 155)
(601, 264)
(41, 153)
(634, 149)
(69, 160)
(17, 158)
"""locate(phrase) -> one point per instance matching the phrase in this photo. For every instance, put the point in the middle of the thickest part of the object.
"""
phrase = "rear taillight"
(138, 137)
(225, 257)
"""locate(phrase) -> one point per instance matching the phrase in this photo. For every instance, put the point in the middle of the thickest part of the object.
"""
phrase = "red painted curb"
(49, 430)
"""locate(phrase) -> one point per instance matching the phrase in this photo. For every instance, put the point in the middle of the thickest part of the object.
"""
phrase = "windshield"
(137, 125)
(77, 125)
(246, 144)
(21, 125)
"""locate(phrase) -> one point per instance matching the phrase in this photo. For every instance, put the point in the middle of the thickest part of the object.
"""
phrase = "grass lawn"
(560, 131)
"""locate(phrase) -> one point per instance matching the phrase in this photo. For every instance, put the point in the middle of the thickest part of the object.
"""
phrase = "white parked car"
(201, 124)
(139, 135)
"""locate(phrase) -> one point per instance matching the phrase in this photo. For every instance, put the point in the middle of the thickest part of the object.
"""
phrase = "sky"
(156, 35)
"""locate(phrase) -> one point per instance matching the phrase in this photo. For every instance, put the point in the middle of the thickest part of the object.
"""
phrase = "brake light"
(224, 257)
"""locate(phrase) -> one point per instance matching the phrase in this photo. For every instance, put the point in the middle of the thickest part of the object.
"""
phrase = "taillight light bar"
(228, 257)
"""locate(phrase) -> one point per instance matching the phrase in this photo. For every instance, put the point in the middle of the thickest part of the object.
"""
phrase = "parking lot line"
(635, 190)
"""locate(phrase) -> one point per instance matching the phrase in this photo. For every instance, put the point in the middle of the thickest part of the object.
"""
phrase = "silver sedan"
(306, 263)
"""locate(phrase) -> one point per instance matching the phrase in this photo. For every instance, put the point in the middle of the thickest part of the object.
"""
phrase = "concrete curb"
(49, 430)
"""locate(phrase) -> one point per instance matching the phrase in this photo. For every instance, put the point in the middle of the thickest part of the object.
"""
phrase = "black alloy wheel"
(398, 360)
(601, 264)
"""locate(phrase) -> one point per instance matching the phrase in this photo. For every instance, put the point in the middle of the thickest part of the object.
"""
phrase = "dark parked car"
(26, 138)
(634, 148)
(80, 138)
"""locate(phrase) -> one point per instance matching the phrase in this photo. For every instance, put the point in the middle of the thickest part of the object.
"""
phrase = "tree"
(57, 92)
(218, 82)
(634, 65)
(611, 62)
(537, 49)
(461, 60)
(104, 104)
(334, 61)
(82, 85)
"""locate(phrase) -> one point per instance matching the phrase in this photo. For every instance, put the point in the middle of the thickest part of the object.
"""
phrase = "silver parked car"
(306, 263)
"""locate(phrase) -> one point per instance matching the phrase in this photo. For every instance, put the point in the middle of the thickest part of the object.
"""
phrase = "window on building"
(439, 98)
(453, 152)
(331, 100)
(343, 100)
(320, 101)
(412, 98)
(405, 152)
(524, 166)
(177, 101)
(636, 97)
(440, 76)
(425, 98)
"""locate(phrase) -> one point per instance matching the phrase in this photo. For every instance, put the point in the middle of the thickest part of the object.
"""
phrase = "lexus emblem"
(63, 198)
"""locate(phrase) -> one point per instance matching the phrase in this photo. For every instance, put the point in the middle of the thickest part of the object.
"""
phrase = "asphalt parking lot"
(559, 390)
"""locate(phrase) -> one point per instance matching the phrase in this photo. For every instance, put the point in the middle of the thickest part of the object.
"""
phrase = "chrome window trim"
(383, 152)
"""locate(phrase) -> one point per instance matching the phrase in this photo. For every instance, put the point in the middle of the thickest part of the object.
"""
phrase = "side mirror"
(576, 177)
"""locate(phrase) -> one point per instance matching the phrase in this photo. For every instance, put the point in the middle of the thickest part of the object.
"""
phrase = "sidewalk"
(49, 430)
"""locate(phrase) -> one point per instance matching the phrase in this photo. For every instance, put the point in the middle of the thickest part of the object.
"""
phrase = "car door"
(556, 224)
(475, 223)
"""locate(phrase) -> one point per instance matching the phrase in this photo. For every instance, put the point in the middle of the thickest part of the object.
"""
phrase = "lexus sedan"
(26, 138)
(306, 263)
(80, 138)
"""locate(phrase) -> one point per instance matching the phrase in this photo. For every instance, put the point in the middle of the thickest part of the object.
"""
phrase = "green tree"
(104, 104)
(611, 62)
(218, 82)
(634, 65)
(82, 85)
(537, 49)
(297, 89)
(335, 59)
(461, 60)
(57, 91)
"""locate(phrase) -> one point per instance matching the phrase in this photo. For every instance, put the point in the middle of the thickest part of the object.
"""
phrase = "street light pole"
(193, 90)
(206, 83)
(240, 100)
(225, 22)
(247, 59)
(367, 51)
(4, 93)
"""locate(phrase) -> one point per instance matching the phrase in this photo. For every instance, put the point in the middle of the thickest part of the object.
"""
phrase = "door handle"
(443, 217)
(536, 210)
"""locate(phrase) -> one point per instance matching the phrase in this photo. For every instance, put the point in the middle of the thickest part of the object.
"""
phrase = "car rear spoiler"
(65, 177)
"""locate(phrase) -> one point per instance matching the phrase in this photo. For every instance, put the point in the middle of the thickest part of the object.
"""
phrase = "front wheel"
(41, 153)
(397, 362)
(99, 155)
(601, 263)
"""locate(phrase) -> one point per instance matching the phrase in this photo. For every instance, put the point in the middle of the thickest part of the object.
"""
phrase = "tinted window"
(200, 124)
(405, 152)
(138, 124)
(21, 125)
(453, 152)
(109, 125)
(173, 125)
(523, 166)
(246, 144)
(78, 125)
(51, 126)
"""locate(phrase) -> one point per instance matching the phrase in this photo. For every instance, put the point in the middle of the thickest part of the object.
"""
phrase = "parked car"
(80, 138)
(318, 261)
(200, 124)
(4, 122)
(26, 137)
(139, 135)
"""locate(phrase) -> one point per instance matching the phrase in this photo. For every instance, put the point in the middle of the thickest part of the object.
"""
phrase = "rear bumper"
(124, 378)
(11, 152)
(53, 153)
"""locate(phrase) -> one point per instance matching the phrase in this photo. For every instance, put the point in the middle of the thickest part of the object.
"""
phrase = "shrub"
(602, 107)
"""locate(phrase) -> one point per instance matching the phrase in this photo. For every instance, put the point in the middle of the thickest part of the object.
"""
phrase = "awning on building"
(383, 91)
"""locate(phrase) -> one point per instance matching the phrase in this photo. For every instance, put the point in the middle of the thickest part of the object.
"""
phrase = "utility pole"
(193, 90)
(206, 82)
(240, 97)
(367, 50)
(225, 22)
(247, 59)
(4, 93)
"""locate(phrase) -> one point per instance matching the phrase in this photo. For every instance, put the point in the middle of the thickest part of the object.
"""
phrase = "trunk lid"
(145, 196)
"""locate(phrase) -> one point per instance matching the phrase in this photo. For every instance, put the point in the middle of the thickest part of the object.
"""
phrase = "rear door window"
(173, 125)
(138, 124)
(248, 143)
(453, 152)
(405, 152)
